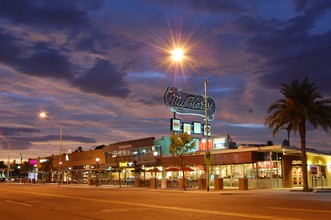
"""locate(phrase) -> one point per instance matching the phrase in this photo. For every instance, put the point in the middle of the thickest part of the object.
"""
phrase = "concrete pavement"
(226, 190)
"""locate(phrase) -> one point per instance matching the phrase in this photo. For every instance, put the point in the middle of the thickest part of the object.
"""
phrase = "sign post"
(208, 161)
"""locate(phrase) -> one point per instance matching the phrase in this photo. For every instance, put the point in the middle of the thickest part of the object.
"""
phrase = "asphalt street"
(51, 201)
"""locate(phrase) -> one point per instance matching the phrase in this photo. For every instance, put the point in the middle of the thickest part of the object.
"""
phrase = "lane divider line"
(205, 211)
(18, 203)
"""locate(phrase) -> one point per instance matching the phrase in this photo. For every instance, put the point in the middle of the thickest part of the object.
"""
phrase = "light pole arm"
(3, 137)
(52, 120)
(196, 70)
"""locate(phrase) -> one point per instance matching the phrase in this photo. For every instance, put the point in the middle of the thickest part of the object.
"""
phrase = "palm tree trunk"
(302, 131)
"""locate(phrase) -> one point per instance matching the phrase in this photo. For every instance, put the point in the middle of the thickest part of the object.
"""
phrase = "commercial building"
(137, 162)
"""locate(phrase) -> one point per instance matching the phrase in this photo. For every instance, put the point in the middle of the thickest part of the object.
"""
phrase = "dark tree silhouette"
(301, 104)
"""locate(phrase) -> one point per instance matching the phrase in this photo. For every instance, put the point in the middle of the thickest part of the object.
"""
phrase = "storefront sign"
(188, 103)
(122, 147)
(220, 143)
(175, 125)
(123, 164)
(187, 128)
(197, 127)
(313, 169)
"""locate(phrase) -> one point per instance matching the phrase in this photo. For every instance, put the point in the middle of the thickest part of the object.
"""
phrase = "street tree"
(46, 167)
(26, 167)
(3, 164)
(181, 145)
(301, 104)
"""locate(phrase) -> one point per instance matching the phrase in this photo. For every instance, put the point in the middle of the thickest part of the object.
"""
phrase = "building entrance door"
(297, 176)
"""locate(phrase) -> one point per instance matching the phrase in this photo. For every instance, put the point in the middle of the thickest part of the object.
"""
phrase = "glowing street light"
(45, 115)
(178, 55)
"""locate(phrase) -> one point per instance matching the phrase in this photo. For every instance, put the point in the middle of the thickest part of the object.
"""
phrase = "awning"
(172, 169)
(189, 169)
(154, 170)
(175, 169)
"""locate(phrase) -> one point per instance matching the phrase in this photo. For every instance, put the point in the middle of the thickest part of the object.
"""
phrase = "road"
(50, 201)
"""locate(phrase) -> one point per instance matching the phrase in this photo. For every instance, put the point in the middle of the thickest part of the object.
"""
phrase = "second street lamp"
(97, 173)
(155, 153)
(45, 115)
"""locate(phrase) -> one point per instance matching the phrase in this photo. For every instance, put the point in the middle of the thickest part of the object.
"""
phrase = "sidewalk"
(226, 190)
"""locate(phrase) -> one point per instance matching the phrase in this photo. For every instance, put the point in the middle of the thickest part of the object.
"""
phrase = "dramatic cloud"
(20, 138)
(101, 68)
(6, 131)
(59, 14)
(103, 78)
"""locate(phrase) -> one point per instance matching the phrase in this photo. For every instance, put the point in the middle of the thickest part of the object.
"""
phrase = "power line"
(296, 57)
(283, 60)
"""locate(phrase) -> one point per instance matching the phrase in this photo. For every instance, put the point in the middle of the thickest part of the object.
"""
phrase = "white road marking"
(18, 203)
(214, 212)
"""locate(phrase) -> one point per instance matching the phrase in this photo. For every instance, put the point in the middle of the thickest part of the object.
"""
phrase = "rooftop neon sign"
(187, 103)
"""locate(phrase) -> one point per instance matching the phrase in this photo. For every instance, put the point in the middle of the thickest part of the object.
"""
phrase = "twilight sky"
(101, 68)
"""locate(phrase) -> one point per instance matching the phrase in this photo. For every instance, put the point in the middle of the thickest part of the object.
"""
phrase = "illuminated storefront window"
(137, 154)
(265, 170)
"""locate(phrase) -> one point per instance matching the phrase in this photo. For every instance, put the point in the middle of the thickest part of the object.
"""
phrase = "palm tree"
(301, 104)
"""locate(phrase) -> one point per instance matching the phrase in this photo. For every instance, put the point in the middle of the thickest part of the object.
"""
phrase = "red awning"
(154, 170)
(172, 169)
(189, 169)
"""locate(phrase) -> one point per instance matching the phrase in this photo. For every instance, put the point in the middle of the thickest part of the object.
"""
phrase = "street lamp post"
(45, 115)
(177, 56)
(35, 176)
(19, 172)
(8, 162)
(155, 153)
(97, 174)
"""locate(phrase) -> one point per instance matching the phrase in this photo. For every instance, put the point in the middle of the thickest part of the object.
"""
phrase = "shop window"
(237, 171)
(265, 170)
(223, 171)
(250, 171)
(135, 155)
